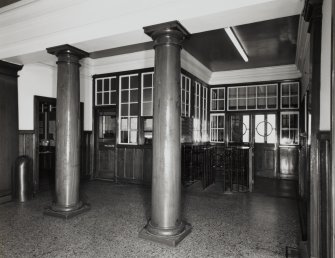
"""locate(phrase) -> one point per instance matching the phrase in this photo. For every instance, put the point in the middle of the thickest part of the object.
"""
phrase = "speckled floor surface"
(237, 225)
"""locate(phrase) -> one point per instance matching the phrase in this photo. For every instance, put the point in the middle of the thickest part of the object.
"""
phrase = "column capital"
(67, 50)
(167, 33)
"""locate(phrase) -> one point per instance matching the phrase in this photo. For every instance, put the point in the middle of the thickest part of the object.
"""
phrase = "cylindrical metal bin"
(23, 179)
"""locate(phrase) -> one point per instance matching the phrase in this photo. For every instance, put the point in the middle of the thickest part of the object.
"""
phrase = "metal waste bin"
(23, 179)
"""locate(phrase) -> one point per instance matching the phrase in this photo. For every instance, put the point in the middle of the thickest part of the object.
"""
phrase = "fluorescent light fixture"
(236, 43)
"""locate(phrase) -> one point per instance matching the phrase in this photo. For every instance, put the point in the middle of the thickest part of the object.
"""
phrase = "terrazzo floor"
(259, 224)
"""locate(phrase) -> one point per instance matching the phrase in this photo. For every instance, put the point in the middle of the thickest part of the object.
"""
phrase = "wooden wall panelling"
(289, 162)
(27, 147)
(9, 126)
(325, 179)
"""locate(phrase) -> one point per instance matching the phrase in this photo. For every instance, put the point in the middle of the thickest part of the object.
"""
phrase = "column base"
(66, 214)
(172, 240)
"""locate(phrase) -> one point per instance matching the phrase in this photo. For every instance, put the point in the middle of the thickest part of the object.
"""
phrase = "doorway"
(265, 145)
(45, 131)
(105, 139)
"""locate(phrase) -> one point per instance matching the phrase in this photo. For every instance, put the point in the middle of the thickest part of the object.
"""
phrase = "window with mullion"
(204, 134)
(185, 95)
(289, 95)
(106, 91)
(197, 113)
(253, 97)
(147, 94)
(128, 109)
(217, 127)
(217, 99)
(289, 128)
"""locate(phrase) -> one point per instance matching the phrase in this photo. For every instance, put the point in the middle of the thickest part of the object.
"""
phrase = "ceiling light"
(236, 43)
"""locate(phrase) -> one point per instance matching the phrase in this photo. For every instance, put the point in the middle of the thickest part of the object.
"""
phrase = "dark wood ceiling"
(267, 43)
(4, 3)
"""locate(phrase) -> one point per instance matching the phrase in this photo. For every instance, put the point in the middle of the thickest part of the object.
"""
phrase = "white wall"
(41, 80)
(325, 105)
(34, 79)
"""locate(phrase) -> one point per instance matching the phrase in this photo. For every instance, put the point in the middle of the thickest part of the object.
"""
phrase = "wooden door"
(265, 145)
(105, 136)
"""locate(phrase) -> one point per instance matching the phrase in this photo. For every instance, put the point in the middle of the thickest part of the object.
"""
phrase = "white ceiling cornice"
(93, 26)
(282, 72)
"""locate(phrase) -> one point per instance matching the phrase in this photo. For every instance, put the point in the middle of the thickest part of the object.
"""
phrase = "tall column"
(67, 203)
(166, 225)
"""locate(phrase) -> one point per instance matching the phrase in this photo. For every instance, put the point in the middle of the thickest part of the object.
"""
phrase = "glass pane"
(236, 128)
(148, 124)
(99, 85)
(214, 94)
(106, 84)
(147, 109)
(124, 109)
(232, 104)
(113, 84)
(246, 128)
(109, 127)
(294, 136)
(214, 105)
(285, 89)
(124, 124)
(251, 103)
(285, 102)
(147, 81)
(113, 98)
(242, 104)
(214, 122)
(251, 92)
(285, 137)
(134, 82)
(259, 128)
(294, 88)
(124, 96)
(221, 94)
(133, 123)
(271, 129)
(261, 91)
(261, 103)
(272, 102)
(232, 92)
(124, 136)
(106, 98)
(133, 136)
(285, 121)
(220, 121)
(294, 102)
(147, 94)
(133, 109)
(293, 121)
(272, 90)
(124, 83)
(242, 92)
(134, 96)
(221, 104)
(221, 135)
(99, 99)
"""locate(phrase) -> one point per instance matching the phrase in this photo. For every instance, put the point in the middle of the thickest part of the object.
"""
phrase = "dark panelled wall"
(9, 126)
(27, 147)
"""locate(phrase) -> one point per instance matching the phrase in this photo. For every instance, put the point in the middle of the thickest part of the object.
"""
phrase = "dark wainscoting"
(87, 155)
(134, 164)
(324, 138)
(289, 162)
(27, 147)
